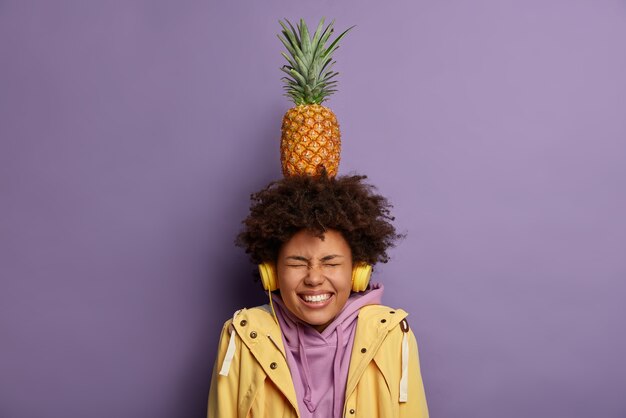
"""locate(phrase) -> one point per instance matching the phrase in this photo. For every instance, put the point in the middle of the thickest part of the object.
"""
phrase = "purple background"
(133, 132)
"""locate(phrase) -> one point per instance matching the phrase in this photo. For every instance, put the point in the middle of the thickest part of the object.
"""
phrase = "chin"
(317, 322)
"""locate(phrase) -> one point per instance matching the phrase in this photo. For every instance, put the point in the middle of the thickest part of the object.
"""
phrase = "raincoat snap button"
(363, 350)
(383, 320)
(243, 322)
(352, 411)
(253, 334)
(273, 366)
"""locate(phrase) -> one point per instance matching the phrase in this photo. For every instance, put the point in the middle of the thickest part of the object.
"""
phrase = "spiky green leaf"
(310, 78)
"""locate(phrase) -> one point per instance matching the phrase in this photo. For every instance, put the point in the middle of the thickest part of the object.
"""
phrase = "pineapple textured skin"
(310, 141)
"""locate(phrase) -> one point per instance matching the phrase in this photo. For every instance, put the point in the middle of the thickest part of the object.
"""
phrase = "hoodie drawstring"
(230, 351)
(404, 379)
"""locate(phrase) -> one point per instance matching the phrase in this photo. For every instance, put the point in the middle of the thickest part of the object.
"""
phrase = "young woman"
(325, 346)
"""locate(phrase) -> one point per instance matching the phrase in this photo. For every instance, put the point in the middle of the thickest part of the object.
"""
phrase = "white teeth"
(316, 298)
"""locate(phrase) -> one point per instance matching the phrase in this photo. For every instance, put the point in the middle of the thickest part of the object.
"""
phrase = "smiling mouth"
(316, 298)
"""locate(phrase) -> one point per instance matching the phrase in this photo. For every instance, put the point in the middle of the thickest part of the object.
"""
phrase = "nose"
(314, 277)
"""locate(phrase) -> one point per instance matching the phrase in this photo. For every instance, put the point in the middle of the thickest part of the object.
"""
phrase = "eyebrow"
(325, 258)
(330, 257)
(297, 258)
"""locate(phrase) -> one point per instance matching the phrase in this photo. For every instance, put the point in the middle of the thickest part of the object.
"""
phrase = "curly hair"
(345, 204)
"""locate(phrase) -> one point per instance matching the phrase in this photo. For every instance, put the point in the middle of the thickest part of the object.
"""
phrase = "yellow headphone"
(361, 273)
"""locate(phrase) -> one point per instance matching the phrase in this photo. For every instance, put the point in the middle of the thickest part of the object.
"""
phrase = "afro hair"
(346, 204)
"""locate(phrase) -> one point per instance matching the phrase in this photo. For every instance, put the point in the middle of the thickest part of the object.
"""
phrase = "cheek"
(343, 280)
(289, 279)
(285, 281)
(343, 289)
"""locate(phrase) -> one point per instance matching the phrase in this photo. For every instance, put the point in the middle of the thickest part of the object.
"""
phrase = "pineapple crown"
(309, 72)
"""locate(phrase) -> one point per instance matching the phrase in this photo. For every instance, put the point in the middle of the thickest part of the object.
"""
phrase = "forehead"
(305, 243)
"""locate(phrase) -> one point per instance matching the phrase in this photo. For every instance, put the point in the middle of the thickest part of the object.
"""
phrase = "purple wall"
(133, 132)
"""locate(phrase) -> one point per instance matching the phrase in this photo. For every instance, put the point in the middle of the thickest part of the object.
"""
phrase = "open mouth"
(316, 298)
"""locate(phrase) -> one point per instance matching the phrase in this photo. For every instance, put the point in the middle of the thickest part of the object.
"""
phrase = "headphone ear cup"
(267, 270)
(361, 274)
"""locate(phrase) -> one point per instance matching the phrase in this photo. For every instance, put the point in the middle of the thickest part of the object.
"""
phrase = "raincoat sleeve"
(415, 406)
(224, 390)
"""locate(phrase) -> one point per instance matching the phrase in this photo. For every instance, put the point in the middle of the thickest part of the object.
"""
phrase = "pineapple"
(310, 139)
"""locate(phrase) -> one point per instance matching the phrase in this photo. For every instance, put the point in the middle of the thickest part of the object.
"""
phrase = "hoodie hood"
(319, 362)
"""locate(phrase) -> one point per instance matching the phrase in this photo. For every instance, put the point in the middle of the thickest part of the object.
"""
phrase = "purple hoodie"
(319, 362)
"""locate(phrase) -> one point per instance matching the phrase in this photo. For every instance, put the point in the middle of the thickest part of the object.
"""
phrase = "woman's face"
(315, 276)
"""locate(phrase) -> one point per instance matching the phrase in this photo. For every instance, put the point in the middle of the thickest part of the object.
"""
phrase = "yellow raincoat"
(252, 379)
